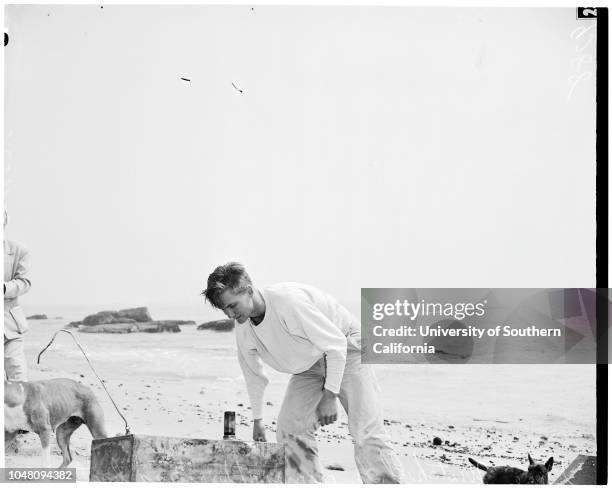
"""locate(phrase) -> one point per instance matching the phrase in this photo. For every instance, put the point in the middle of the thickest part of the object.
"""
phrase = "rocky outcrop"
(132, 320)
(37, 316)
(220, 325)
(134, 315)
(169, 326)
(147, 328)
(134, 327)
(118, 328)
(152, 327)
(174, 322)
(138, 314)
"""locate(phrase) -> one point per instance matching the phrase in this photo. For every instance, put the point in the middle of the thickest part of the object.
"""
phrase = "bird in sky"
(185, 79)
(233, 85)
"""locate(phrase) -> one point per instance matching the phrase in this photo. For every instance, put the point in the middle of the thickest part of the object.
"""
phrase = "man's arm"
(328, 338)
(19, 283)
(256, 382)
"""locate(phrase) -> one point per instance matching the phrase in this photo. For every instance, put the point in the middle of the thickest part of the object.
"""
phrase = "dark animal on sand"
(535, 473)
(54, 405)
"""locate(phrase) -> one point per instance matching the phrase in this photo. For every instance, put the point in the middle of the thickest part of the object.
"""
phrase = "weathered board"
(142, 458)
(582, 471)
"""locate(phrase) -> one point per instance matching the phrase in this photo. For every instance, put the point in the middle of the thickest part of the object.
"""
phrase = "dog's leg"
(45, 438)
(63, 434)
(9, 437)
(94, 420)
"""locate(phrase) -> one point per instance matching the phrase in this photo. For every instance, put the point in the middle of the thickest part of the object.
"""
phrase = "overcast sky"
(370, 147)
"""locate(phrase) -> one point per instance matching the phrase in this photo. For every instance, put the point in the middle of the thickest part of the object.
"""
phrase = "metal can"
(229, 425)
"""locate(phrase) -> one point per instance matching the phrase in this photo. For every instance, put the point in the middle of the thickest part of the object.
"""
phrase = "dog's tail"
(477, 464)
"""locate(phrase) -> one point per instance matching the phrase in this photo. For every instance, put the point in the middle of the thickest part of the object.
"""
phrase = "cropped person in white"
(303, 331)
(16, 283)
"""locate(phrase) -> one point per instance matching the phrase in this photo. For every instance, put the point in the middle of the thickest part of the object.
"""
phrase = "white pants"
(14, 360)
(359, 395)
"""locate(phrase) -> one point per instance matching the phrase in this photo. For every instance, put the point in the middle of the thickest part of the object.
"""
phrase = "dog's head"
(538, 473)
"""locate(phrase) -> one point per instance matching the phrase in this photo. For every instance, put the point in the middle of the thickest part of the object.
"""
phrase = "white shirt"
(300, 325)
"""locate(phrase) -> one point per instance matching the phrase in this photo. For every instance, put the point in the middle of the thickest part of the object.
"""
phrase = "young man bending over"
(300, 330)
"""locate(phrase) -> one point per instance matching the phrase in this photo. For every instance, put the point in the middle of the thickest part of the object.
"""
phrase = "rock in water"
(127, 321)
(147, 327)
(170, 327)
(135, 315)
(220, 325)
(138, 314)
(159, 327)
(174, 322)
(102, 317)
(109, 328)
(37, 316)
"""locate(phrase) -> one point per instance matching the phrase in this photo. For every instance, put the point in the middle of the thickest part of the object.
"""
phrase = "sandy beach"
(179, 384)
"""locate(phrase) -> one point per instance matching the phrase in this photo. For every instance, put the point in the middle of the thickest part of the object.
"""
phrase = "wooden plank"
(582, 471)
(111, 459)
(142, 458)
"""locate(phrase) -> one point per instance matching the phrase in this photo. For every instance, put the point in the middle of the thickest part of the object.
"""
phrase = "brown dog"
(55, 405)
(535, 473)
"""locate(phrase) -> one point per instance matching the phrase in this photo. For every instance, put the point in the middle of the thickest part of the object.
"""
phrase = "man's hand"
(327, 410)
(259, 430)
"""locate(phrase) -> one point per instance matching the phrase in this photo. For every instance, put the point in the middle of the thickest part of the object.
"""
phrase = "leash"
(127, 428)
